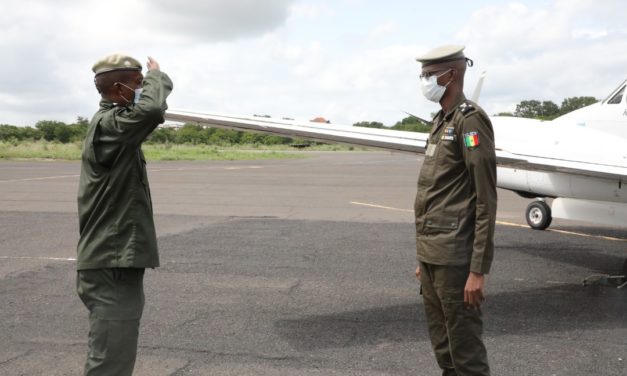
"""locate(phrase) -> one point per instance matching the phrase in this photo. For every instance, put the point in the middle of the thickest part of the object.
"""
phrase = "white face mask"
(430, 88)
(137, 91)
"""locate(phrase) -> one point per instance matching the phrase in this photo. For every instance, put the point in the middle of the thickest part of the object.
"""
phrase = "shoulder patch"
(466, 108)
(471, 140)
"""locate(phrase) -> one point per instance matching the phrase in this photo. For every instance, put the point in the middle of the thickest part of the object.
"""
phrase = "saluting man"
(117, 232)
(455, 212)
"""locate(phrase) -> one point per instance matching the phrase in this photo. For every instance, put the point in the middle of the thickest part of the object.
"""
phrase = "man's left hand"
(473, 292)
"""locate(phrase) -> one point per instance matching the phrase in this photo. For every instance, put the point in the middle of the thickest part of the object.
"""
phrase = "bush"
(163, 136)
(191, 134)
(64, 133)
(224, 137)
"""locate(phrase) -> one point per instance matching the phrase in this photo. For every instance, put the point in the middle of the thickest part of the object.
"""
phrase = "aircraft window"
(618, 98)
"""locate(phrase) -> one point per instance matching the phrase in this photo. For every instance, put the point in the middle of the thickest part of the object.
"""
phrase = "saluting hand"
(152, 64)
(473, 292)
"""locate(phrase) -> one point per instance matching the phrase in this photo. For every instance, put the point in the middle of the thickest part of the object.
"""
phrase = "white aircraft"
(579, 159)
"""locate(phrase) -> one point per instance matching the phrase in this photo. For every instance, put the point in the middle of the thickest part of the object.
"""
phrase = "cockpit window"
(618, 97)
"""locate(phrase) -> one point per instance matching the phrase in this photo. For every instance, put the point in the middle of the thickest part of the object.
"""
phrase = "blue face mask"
(138, 93)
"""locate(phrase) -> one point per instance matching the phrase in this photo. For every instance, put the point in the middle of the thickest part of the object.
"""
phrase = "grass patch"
(158, 152)
(40, 150)
(164, 152)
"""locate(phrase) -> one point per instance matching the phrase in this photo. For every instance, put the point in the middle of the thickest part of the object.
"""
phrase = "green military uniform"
(455, 211)
(117, 232)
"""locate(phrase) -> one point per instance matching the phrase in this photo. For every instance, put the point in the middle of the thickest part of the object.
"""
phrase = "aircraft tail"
(477, 92)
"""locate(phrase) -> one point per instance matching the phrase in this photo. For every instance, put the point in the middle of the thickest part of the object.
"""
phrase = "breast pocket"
(448, 152)
(441, 223)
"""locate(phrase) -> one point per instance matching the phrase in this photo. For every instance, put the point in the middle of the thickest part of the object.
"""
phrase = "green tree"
(224, 137)
(534, 109)
(163, 136)
(251, 138)
(190, 134)
(270, 139)
(11, 132)
(48, 127)
(59, 131)
(369, 124)
(549, 110)
(63, 133)
(574, 103)
(528, 109)
(79, 128)
(30, 133)
(412, 124)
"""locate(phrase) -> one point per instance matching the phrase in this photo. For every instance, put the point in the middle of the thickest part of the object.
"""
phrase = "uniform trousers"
(455, 330)
(115, 300)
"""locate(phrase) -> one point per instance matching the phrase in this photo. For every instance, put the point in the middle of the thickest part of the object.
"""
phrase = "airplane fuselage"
(556, 184)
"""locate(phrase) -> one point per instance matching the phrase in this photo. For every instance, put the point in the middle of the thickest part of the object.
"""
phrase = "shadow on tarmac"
(560, 308)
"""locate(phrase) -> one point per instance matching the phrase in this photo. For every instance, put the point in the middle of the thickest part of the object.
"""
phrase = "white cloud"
(273, 77)
(311, 10)
(545, 54)
(216, 20)
(347, 60)
(383, 29)
(50, 46)
(589, 34)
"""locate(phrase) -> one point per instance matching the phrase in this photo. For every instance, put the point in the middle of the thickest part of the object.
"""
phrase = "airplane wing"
(394, 140)
(513, 152)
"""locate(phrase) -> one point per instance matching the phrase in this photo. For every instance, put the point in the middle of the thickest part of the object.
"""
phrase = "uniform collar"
(462, 99)
(106, 104)
(441, 117)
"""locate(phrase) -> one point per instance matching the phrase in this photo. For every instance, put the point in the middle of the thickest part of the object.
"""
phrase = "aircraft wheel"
(538, 215)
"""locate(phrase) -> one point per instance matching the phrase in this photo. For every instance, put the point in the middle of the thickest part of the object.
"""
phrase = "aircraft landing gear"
(538, 215)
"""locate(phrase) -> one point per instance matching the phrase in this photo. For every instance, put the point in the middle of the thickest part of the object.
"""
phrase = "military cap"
(443, 54)
(116, 62)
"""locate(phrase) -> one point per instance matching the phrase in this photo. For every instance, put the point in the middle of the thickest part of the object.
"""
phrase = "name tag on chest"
(430, 150)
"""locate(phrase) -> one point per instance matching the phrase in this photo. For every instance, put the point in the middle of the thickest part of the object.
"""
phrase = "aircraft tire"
(538, 215)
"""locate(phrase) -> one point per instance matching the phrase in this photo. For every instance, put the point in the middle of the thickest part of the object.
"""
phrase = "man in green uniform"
(117, 232)
(455, 212)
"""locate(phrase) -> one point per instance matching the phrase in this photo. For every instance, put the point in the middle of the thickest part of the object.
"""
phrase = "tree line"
(57, 131)
(47, 130)
(410, 124)
(547, 110)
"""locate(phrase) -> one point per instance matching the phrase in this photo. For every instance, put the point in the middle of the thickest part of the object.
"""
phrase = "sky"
(344, 60)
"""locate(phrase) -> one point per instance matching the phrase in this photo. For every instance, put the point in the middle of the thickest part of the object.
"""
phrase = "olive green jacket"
(455, 205)
(114, 206)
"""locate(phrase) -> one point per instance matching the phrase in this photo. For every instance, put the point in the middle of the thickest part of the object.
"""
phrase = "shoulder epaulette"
(466, 108)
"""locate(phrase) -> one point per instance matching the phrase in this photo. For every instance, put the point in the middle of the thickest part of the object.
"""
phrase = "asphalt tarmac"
(300, 267)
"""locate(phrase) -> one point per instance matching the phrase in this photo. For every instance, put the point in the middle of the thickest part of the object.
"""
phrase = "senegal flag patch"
(471, 140)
